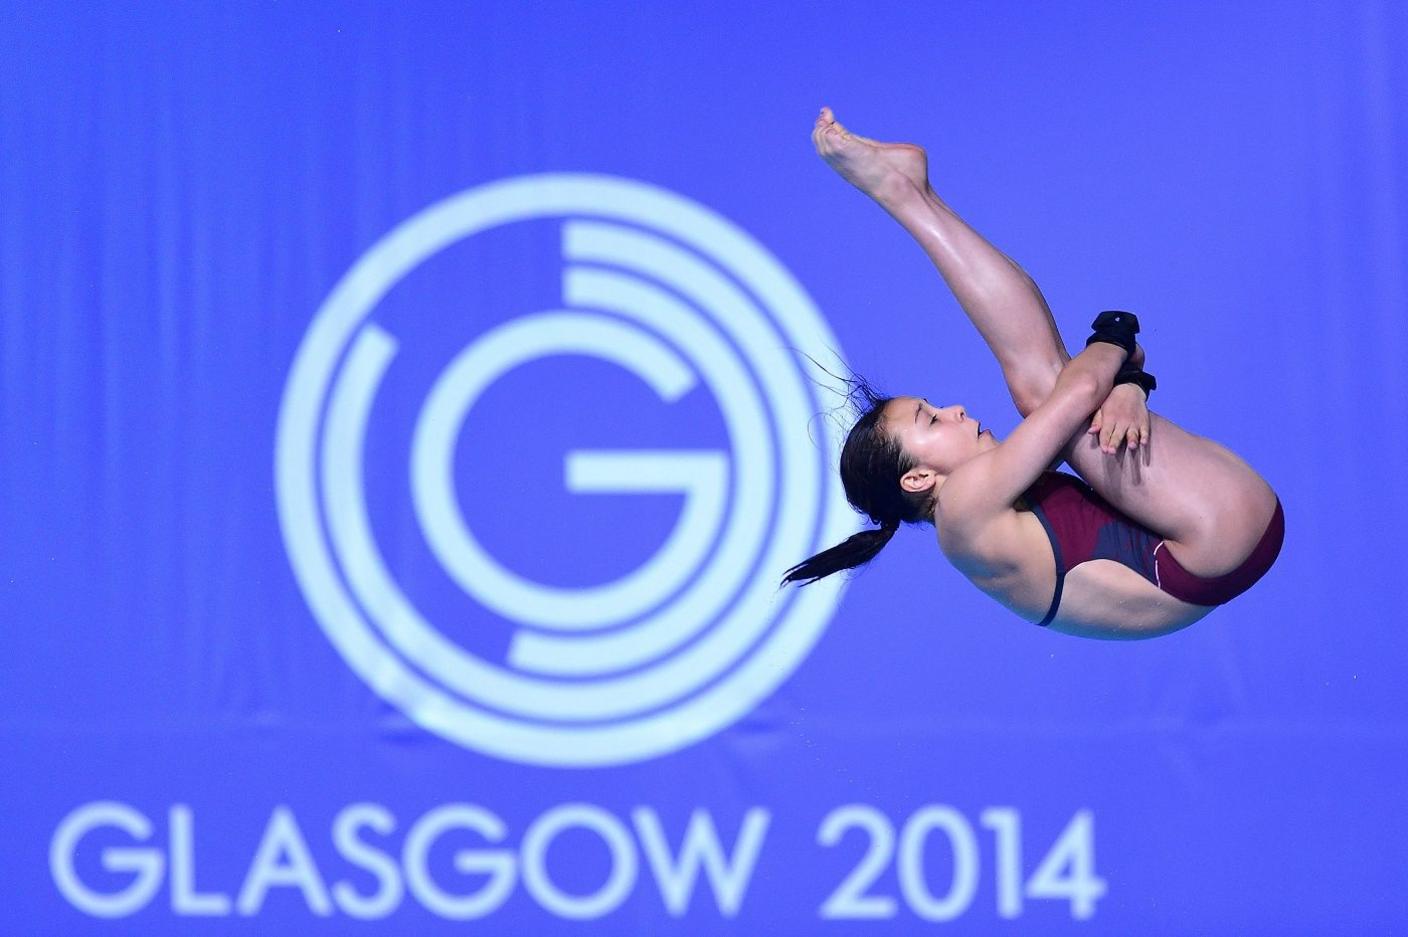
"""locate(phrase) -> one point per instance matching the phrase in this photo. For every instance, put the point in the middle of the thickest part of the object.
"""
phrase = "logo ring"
(801, 615)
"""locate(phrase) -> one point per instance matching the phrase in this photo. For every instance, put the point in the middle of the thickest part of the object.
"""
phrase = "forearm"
(1091, 374)
(1002, 473)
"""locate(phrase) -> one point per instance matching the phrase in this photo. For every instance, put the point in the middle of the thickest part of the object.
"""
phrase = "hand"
(1123, 419)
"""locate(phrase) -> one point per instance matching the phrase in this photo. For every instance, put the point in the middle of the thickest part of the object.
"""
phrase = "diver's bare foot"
(884, 171)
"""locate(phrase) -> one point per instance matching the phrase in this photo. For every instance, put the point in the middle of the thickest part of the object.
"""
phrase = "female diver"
(1155, 536)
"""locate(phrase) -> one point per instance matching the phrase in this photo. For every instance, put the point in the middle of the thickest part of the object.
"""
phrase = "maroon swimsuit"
(1084, 526)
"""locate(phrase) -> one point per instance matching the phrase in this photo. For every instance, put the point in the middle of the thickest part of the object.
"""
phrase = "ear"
(917, 479)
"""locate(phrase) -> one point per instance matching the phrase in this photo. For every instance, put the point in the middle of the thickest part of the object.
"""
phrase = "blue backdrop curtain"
(183, 190)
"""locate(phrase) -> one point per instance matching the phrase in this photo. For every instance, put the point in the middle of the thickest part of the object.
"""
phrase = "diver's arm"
(989, 484)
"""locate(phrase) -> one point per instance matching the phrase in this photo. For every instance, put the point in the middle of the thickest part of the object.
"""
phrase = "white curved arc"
(436, 503)
(711, 588)
(349, 525)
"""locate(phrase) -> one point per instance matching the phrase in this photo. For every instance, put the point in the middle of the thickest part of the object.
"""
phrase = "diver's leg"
(998, 296)
(1211, 505)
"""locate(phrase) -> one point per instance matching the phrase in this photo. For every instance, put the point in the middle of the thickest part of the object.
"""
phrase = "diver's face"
(938, 439)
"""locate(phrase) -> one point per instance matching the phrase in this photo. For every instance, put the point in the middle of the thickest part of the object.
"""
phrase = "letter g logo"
(693, 638)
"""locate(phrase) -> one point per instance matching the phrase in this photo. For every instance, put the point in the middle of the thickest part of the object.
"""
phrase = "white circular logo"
(674, 294)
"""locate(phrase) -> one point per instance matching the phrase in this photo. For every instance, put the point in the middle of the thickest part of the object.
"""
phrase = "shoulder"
(963, 502)
(975, 538)
(966, 508)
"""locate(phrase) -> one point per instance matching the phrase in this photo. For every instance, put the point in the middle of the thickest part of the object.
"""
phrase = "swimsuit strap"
(1060, 563)
(1055, 599)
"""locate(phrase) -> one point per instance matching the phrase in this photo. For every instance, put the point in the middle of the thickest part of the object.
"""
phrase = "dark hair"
(872, 463)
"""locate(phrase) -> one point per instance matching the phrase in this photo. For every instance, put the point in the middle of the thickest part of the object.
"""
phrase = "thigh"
(1203, 498)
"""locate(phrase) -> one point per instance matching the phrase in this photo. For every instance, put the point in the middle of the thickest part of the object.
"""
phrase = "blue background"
(181, 187)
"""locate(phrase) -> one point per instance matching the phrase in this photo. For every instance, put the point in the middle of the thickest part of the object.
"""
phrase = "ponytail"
(855, 550)
(872, 463)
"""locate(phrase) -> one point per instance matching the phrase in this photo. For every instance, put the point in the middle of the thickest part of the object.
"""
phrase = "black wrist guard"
(1115, 327)
(1132, 375)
